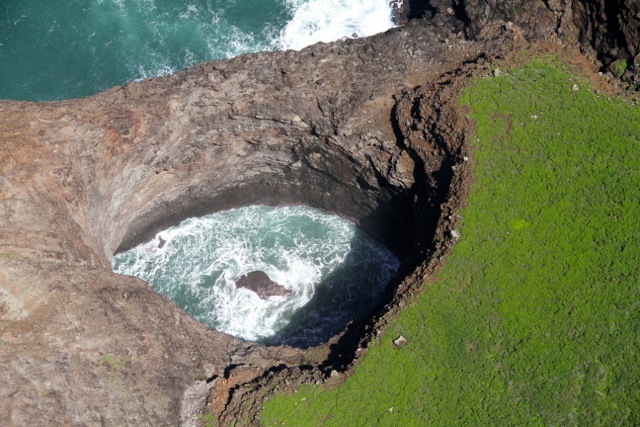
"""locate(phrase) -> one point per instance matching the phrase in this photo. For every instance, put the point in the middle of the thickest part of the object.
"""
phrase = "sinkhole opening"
(290, 275)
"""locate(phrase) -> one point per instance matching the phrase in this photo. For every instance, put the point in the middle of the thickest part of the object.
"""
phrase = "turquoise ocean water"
(62, 49)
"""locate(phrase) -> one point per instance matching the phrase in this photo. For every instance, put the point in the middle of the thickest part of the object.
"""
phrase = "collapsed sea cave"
(348, 128)
(367, 129)
(403, 199)
(405, 192)
(401, 207)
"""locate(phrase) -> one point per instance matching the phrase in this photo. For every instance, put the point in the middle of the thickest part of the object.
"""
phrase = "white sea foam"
(211, 30)
(328, 20)
(159, 70)
(298, 247)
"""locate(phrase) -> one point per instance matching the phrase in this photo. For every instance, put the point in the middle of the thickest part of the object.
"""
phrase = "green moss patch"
(535, 317)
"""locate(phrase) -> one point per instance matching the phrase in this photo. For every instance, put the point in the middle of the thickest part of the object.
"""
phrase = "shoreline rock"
(85, 178)
(260, 283)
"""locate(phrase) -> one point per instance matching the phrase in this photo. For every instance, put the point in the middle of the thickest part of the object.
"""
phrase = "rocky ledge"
(363, 128)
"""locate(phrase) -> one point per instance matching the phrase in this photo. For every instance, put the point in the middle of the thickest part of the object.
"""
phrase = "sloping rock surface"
(81, 179)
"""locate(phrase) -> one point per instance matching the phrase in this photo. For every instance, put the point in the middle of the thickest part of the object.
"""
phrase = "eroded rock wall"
(610, 29)
(82, 178)
(350, 127)
(606, 30)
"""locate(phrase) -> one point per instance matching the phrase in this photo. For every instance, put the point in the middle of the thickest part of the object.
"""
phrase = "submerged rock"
(260, 283)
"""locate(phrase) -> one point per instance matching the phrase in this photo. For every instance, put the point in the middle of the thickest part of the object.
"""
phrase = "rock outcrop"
(357, 127)
(260, 283)
(607, 31)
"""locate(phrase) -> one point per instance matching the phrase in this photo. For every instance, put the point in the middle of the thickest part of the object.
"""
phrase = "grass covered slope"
(535, 317)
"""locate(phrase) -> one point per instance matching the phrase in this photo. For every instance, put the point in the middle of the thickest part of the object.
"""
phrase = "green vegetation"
(207, 420)
(535, 317)
(112, 367)
(619, 67)
(112, 361)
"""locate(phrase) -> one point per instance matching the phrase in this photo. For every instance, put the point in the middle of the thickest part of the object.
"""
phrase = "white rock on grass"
(400, 342)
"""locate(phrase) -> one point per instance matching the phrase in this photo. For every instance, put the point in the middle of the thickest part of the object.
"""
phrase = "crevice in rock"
(419, 9)
(460, 13)
(601, 25)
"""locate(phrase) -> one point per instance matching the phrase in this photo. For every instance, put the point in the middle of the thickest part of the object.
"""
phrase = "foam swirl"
(334, 271)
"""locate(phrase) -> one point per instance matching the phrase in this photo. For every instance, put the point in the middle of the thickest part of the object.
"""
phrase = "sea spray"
(328, 20)
(334, 272)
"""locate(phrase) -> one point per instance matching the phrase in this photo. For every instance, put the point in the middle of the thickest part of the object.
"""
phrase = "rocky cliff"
(363, 128)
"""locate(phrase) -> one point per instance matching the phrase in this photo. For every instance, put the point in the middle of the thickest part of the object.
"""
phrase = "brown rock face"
(260, 283)
(81, 179)
(610, 28)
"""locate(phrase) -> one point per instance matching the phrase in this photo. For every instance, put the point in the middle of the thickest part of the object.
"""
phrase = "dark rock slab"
(261, 284)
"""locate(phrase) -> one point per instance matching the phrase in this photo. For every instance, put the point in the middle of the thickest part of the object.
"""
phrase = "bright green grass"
(535, 317)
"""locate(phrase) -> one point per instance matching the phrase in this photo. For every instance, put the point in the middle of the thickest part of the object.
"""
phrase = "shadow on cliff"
(348, 295)
(450, 11)
(431, 195)
(408, 228)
